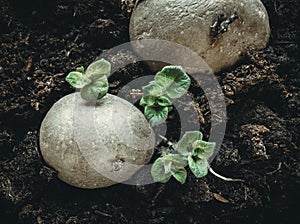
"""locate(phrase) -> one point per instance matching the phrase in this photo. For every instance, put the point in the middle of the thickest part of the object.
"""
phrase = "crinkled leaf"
(203, 149)
(80, 69)
(95, 90)
(153, 89)
(100, 67)
(199, 167)
(168, 165)
(176, 161)
(76, 79)
(143, 102)
(174, 80)
(147, 101)
(163, 101)
(158, 171)
(156, 115)
(184, 146)
(180, 175)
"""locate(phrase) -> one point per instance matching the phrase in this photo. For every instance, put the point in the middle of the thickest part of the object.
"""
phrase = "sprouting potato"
(94, 145)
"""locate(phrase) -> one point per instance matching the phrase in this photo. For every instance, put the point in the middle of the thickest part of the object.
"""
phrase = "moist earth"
(41, 41)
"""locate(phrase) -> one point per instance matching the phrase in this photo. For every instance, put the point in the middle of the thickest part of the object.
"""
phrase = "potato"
(220, 31)
(95, 145)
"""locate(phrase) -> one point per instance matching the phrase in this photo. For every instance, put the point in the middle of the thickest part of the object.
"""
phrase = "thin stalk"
(166, 140)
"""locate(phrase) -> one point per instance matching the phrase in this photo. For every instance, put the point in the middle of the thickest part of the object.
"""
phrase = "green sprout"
(190, 151)
(169, 84)
(93, 83)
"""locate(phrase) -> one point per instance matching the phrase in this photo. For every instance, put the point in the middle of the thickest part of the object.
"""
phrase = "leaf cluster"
(93, 82)
(190, 151)
(170, 83)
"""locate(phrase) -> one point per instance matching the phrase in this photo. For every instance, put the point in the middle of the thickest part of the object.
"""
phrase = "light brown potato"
(190, 22)
(94, 146)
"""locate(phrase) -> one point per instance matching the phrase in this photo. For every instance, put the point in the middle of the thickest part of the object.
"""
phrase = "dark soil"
(41, 41)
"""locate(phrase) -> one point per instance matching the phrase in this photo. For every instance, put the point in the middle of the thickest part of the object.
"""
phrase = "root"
(223, 178)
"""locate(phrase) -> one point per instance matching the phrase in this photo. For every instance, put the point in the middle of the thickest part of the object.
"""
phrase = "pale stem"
(223, 178)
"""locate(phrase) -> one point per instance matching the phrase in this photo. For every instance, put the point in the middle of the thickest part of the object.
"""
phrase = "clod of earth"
(94, 145)
(220, 31)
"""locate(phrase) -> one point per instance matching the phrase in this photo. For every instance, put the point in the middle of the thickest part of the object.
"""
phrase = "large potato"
(200, 26)
(95, 145)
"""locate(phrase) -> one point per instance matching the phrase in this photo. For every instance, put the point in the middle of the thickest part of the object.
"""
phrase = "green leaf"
(156, 115)
(76, 79)
(158, 171)
(199, 167)
(203, 149)
(147, 101)
(96, 89)
(153, 89)
(100, 67)
(180, 175)
(163, 101)
(143, 102)
(174, 80)
(177, 161)
(184, 146)
(80, 69)
(168, 165)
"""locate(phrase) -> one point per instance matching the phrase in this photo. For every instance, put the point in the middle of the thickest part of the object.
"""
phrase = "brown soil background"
(41, 41)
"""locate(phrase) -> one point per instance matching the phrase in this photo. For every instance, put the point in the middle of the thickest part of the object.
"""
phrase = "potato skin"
(188, 22)
(95, 145)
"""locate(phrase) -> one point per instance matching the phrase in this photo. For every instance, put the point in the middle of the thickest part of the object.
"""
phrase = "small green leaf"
(184, 146)
(153, 89)
(156, 115)
(163, 101)
(180, 175)
(96, 89)
(158, 171)
(100, 67)
(80, 69)
(174, 80)
(203, 149)
(147, 101)
(143, 102)
(168, 165)
(77, 80)
(199, 167)
(177, 161)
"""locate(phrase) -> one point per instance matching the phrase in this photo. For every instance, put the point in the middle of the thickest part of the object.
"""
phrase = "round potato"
(94, 145)
(220, 31)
